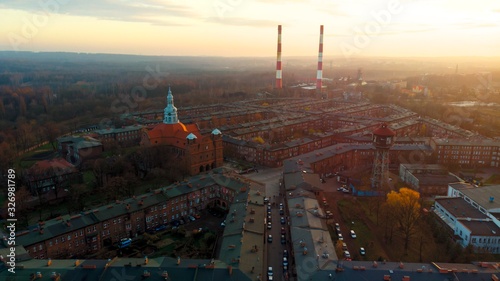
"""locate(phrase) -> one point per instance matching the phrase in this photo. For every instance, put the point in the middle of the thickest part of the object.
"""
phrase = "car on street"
(282, 220)
(269, 225)
(223, 223)
(362, 251)
(353, 234)
(191, 218)
(283, 230)
(344, 246)
(285, 253)
(283, 239)
(270, 238)
(285, 263)
(282, 212)
(341, 238)
(347, 255)
(270, 273)
(337, 227)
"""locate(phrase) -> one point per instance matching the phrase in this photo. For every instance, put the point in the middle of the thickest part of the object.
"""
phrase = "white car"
(341, 238)
(347, 255)
(362, 251)
(270, 273)
(353, 234)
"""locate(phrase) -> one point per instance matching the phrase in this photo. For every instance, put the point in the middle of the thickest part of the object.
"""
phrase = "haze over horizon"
(238, 28)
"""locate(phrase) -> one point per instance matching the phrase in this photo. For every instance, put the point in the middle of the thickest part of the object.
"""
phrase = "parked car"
(282, 220)
(362, 251)
(283, 239)
(285, 253)
(337, 227)
(191, 218)
(270, 238)
(344, 246)
(341, 238)
(270, 273)
(347, 255)
(353, 234)
(283, 230)
(269, 225)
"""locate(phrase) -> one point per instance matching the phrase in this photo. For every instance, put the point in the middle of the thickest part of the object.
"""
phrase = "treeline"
(43, 96)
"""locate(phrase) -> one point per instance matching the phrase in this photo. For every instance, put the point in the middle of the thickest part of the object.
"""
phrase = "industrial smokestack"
(278, 61)
(319, 76)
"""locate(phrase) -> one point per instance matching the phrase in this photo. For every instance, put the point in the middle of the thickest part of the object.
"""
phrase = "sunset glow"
(249, 27)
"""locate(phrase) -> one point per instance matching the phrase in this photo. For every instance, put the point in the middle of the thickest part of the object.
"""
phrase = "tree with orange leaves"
(405, 207)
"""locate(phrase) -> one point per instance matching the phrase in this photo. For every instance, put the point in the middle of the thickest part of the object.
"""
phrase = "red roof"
(384, 131)
(171, 133)
(57, 165)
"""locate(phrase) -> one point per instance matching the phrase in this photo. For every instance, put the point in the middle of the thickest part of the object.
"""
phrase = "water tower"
(382, 139)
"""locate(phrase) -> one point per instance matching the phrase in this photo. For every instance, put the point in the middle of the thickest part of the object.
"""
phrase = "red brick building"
(200, 151)
(87, 233)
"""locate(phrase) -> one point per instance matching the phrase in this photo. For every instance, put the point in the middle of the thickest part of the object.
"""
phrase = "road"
(271, 178)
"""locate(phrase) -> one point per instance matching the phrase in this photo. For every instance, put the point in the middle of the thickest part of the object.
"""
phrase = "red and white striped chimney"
(319, 75)
(278, 61)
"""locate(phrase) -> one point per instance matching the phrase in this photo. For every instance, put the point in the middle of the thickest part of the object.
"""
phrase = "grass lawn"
(370, 235)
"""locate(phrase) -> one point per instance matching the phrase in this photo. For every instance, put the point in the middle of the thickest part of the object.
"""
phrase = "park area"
(380, 236)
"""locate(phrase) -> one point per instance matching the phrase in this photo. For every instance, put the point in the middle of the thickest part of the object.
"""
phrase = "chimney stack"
(279, 82)
(319, 75)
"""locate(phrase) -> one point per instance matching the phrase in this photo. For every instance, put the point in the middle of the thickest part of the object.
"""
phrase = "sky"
(247, 28)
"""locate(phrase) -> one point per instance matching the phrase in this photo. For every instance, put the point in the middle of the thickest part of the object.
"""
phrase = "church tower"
(170, 112)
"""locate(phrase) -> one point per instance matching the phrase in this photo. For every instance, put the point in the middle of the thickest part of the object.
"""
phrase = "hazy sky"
(249, 27)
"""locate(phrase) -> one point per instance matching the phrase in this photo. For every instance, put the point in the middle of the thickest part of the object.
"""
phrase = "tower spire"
(170, 112)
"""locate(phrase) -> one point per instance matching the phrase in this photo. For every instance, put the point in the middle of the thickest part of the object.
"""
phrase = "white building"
(473, 215)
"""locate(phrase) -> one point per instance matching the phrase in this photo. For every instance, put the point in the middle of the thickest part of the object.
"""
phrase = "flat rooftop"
(487, 197)
(459, 208)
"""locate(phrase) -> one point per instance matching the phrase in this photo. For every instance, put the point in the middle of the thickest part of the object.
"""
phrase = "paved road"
(271, 178)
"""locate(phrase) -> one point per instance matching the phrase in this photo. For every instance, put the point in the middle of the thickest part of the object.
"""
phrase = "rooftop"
(487, 197)
(459, 208)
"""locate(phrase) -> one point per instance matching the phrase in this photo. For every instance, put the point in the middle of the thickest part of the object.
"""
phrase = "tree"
(23, 205)
(405, 206)
(52, 131)
(77, 196)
